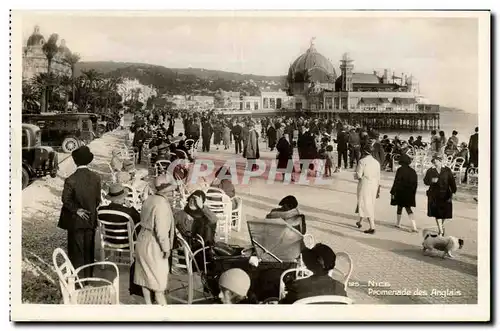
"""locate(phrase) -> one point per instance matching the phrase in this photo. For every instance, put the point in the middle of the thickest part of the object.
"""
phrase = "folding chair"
(73, 289)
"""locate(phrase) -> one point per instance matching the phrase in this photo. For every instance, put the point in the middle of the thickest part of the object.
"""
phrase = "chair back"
(66, 273)
(343, 259)
(180, 154)
(132, 196)
(300, 273)
(104, 201)
(472, 176)
(116, 236)
(325, 299)
(457, 164)
(220, 204)
(182, 257)
(112, 172)
(161, 167)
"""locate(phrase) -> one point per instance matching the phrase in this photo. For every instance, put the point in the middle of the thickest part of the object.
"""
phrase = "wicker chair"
(74, 291)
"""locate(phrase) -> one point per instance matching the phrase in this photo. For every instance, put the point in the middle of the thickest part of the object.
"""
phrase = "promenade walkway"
(391, 259)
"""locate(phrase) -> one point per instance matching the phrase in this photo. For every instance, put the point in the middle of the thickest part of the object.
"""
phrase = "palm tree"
(45, 83)
(50, 50)
(72, 59)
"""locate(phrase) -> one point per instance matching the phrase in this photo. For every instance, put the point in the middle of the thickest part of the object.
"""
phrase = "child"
(329, 160)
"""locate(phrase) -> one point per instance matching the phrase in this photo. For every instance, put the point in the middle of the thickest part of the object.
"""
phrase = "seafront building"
(384, 101)
(35, 61)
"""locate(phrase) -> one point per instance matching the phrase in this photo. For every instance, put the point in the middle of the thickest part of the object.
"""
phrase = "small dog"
(447, 245)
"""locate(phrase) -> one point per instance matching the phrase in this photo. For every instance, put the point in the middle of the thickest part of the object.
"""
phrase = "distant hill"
(187, 80)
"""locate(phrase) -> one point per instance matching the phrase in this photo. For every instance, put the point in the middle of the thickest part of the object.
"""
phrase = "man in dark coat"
(354, 147)
(237, 134)
(80, 197)
(320, 260)
(378, 150)
(474, 149)
(306, 146)
(206, 133)
(342, 139)
(271, 136)
(140, 136)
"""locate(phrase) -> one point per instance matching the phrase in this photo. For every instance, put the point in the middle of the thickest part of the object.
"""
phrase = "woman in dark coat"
(403, 190)
(442, 186)
(285, 157)
(271, 136)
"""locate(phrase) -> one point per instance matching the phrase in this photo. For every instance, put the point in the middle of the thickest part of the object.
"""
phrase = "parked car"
(66, 130)
(38, 160)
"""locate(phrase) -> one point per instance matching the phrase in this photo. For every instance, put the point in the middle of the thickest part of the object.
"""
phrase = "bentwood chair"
(342, 276)
(184, 269)
(76, 291)
(116, 238)
(300, 273)
(220, 204)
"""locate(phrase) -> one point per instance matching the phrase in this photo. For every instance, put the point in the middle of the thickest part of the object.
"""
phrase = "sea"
(462, 122)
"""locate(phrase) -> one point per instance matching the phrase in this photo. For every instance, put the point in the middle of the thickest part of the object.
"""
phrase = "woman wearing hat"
(321, 261)
(196, 219)
(442, 186)
(368, 176)
(234, 285)
(403, 191)
(289, 212)
(155, 241)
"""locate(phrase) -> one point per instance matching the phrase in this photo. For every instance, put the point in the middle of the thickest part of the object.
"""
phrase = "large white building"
(132, 89)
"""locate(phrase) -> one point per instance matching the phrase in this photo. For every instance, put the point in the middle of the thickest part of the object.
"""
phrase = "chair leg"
(190, 289)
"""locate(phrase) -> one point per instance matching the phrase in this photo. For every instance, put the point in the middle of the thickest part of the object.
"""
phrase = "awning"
(404, 101)
(384, 100)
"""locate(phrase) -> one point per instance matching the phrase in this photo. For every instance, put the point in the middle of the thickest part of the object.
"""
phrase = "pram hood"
(274, 240)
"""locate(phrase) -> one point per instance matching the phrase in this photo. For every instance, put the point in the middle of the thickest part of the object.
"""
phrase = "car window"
(25, 140)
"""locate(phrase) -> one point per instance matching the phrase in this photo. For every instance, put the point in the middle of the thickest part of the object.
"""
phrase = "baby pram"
(277, 246)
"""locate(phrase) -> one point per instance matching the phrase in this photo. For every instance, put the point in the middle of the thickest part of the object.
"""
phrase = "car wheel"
(26, 178)
(70, 144)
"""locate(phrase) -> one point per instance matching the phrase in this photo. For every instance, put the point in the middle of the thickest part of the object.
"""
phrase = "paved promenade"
(392, 258)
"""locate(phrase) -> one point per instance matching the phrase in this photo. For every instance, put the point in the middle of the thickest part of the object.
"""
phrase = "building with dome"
(35, 61)
(382, 100)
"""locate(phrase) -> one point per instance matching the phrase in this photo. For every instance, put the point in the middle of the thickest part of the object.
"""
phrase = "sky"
(441, 53)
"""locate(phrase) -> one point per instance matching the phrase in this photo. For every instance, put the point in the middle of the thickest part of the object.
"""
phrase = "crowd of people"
(159, 224)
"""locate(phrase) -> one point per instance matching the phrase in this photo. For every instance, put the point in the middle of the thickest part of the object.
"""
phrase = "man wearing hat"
(117, 195)
(139, 137)
(80, 197)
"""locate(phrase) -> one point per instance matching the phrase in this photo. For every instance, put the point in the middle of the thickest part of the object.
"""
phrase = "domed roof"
(63, 49)
(36, 38)
(312, 66)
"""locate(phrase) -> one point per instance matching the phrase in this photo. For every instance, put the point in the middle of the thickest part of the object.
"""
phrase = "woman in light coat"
(251, 150)
(368, 176)
(155, 241)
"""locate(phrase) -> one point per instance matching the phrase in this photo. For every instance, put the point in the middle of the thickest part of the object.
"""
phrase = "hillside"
(188, 80)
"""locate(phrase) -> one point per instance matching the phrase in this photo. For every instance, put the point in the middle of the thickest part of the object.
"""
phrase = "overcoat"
(404, 187)
(439, 204)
